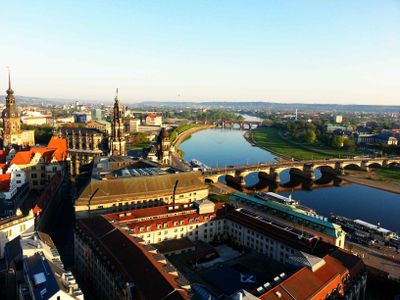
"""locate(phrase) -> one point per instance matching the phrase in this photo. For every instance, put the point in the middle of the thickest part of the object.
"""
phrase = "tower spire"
(10, 90)
(116, 95)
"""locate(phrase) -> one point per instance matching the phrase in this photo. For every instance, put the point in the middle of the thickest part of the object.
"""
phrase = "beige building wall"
(126, 203)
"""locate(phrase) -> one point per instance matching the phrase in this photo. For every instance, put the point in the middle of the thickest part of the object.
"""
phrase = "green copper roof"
(291, 214)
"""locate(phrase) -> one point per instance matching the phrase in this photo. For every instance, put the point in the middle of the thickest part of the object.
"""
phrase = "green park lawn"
(392, 174)
(271, 139)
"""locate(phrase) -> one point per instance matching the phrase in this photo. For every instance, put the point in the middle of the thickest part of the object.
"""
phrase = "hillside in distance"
(255, 105)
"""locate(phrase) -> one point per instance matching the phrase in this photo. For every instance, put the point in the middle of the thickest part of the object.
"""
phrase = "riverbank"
(187, 133)
(248, 135)
(371, 179)
(270, 139)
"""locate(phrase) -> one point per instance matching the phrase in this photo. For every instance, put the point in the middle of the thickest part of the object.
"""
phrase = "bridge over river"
(271, 171)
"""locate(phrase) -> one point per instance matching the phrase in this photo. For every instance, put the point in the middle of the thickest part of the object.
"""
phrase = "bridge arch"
(374, 164)
(391, 163)
(285, 174)
(351, 166)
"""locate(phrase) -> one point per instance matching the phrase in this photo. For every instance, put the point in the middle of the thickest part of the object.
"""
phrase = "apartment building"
(13, 226)
(34, 267)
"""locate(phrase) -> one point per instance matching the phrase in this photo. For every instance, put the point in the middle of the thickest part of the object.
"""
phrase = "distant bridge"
(271, 171)
(239, 124)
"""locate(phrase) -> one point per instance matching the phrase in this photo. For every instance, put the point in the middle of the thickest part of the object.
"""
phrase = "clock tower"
(10, 116)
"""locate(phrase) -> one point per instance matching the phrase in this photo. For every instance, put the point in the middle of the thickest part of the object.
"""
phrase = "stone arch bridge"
(271, 171)
(240, 124)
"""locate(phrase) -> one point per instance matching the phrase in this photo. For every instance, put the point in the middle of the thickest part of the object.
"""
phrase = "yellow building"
(106, 196)
(12, 133)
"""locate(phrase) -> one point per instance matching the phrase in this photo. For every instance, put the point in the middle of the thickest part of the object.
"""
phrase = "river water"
(224, 147)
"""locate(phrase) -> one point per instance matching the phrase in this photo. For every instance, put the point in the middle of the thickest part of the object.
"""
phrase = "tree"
(139, 138)
(349, 143)
(310, 137)
(337, 141)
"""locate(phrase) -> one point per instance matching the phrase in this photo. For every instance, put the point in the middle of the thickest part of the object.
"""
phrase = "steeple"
(117, 144)
(116, 95)
(10, 90)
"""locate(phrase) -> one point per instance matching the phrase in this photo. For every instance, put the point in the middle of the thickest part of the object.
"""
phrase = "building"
(13, 226)
(141, 188)
(134, 271)
(38, 120)
(8, 186)
(82, 117)
(195, 221)
(132, 125)
(383, 138)
(12, 133)
(160, 151)
(64, 120)
(34, 267)
(100, 125)
(338, 119)
(153, 120)
(117, 139)
(285, 263)
(331, 128)
(293, 217)
(37, 165)
(84, 144)
(97, 114)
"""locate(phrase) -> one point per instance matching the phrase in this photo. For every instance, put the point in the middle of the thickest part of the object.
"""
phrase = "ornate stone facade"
(84, 144)
(117, 141)
(161, 150)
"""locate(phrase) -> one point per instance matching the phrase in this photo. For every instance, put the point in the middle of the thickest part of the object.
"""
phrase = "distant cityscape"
(101, 201)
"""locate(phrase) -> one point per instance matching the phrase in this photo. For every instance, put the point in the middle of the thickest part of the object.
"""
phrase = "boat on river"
(289, 201)
(196, 164)
(363, 232)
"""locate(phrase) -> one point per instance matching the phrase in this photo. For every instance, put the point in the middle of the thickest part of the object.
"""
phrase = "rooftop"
(128, 255)
(104, 191)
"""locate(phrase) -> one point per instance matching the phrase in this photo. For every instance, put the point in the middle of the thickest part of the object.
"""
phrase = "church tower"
(118, 146)
(11, 120)
(164, 147)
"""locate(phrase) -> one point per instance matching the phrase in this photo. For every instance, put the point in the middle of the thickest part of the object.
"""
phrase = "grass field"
(271, 139)
(392, 174)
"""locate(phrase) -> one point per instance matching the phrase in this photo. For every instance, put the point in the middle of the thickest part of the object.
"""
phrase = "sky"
(340, 51)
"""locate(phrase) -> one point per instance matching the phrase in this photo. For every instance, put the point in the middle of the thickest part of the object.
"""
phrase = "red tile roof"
(152, 116)
(61, 146)
(45, 152)
(57, 149)
(306, 284)
(148, 212)
(131, 260)
(5, 180)
(22, 158)
(3, 156)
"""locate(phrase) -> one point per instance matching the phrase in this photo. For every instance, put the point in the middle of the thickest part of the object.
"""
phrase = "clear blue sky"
(339, 51)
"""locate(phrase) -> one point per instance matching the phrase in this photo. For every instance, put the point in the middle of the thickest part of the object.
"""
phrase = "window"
(33, 175)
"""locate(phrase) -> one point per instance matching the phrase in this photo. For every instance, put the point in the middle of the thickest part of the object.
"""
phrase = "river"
(223, 147)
